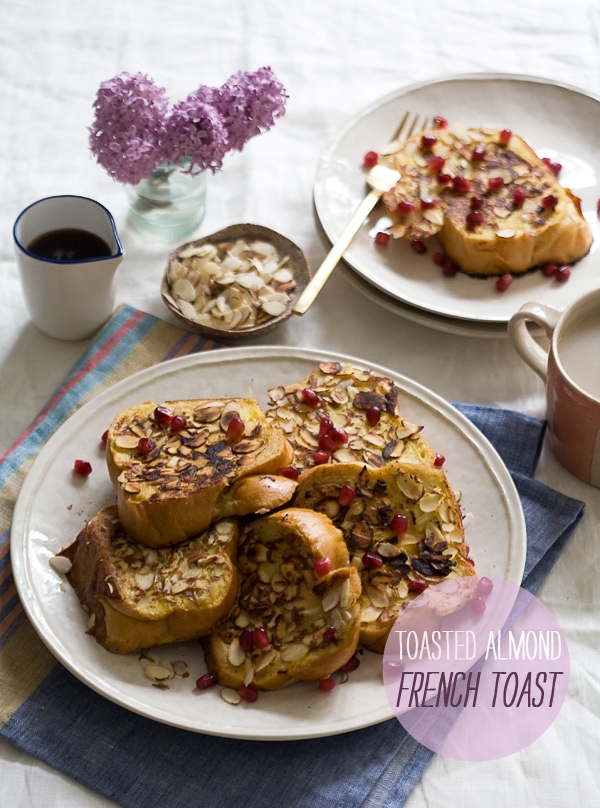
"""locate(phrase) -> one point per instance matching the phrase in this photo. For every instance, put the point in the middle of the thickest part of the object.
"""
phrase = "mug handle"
(527, 348)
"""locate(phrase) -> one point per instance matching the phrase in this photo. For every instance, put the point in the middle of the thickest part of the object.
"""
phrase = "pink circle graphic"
(476, 668)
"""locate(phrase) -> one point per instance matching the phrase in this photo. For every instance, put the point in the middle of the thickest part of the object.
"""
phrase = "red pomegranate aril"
(320, 457)
(248, 693)
(310, 397)
(428, 203)
(405, 207)
(178, 423)
(470, 561)
(260, 638)
(563, 273)
(598, 207)
(235, 428)
(478, 605)
(327, 443)
(476, 202)
(436, 163)
(555, 168)
(373, 414)
(478, 154)
(290, 472)
(439, 122)
(329, 634)
(417, 586)
(145, 446)
(339, 437)
(518, 197)
(322, 566)
(346, 495)
(163, 415)
(443, 178)
(382, 237)
(549, 202)
(439, 258)
(399, 524)
(439, 460)
(461, 184)
(449, 268)
(474, 218)
(352, 664)
(372, 561)
(495, 183)
(325, 426)
(246, 643)
(370, 159)
(104, 438)
(82, 467)
(418, 247)
(503, 282)
(485, 586)
(205, 681)
(549, 270)
(326, 684)
(428, 142)
(505, 136)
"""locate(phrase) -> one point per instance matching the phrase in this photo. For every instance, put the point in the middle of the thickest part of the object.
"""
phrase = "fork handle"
(331, 260)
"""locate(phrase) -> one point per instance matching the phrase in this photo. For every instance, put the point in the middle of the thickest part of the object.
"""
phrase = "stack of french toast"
(282, 537)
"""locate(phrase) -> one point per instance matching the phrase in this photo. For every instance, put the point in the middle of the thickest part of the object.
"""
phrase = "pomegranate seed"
(399, 524)
(495, 183)
(439, 258)
(485, 586)
(372, 561)
(104, 438)
(322, 566)
(470, 561)
(449, 268)
(325, 426)
(505, 136)
(235, 428)
(436, 164)
(439, 460)
(598, 207)
(428, 142)
(563, 274)
(504, 282)
(339, 437)
(145, 446)
(260, 638)
(518, 197)
(382, 237)
(549, 270)
(346, 495)
(327, 443)
(418, 247)
(248, 693)
(320, 457)
(206, 680)
(439, 122)
(370, 159)
(373, 415)
(82, 467)
(549, 202)
(478, 605)
(329, 634)
(405, 207)
(477, 154)
(163, 415)
(178, 423)
(474, 218)
(352, 664)
(461, 184)
(246, 643)
(428, 203)
(555, 168)
(418, 586)
(290, 472)
(310, 397)
(326, 684)
(476, 203)
(443, 178)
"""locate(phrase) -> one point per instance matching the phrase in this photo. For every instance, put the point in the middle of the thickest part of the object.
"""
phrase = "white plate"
(54, 503)
(558, 121)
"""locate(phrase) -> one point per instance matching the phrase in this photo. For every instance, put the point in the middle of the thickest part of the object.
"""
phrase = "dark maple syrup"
(69, 244)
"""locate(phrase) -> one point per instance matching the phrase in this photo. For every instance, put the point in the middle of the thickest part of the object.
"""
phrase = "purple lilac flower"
(195, 134)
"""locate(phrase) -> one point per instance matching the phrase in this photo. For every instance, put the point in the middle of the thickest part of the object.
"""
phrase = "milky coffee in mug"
(571, 370)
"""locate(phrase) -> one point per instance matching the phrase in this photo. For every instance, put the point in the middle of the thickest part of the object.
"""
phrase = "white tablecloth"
(334, 57)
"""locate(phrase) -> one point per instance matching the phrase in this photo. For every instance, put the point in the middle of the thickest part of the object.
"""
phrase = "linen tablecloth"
(136, 762)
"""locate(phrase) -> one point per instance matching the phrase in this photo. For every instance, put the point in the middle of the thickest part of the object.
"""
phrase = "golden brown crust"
(139, 597)
(310, 623)
(363, 502)
(182, 481)
(510, 237)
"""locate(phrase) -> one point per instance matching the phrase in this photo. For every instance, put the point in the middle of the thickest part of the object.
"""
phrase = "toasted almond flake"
(230, 695)
(61, 564)
(506, 233)
(292, 653)
(158, 672)
(126, 441)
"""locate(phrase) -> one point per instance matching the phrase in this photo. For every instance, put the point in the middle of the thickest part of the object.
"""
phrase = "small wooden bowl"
(249, 232)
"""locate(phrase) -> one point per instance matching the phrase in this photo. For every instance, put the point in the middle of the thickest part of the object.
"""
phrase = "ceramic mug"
(68, 251)
(571, 371)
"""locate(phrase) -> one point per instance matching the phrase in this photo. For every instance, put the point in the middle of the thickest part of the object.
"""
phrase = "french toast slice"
(340, 413)
(403, 528)
(297, 614)
(178, 466)
(496, 206)
(140, 597)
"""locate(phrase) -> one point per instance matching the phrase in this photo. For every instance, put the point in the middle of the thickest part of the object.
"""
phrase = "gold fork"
(381, 178)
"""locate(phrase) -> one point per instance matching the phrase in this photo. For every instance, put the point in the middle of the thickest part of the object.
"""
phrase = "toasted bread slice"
(356, 404)
(140, 597)
(403, 528)
(174, 477)
(545, 226)
(289, 622)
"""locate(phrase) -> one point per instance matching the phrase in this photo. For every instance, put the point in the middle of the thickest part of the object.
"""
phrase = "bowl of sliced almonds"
(237, 283)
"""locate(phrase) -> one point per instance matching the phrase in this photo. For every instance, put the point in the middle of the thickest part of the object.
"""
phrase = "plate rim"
(19, 539)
